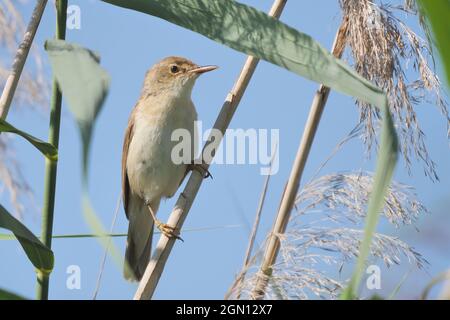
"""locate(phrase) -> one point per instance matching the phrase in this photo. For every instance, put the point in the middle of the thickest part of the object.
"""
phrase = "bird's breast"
(152, 173)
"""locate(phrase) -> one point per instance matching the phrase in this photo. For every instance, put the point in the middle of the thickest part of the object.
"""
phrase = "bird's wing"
(194, 132)
(126, 144)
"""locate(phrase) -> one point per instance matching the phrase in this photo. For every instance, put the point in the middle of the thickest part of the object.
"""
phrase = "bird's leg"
(168, 231)
(200, 168)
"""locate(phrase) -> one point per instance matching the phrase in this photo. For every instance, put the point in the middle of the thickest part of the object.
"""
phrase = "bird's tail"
(139, 241)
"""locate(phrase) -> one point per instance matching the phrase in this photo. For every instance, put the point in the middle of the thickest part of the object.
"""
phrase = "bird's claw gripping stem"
(168, 231)
(200, 168)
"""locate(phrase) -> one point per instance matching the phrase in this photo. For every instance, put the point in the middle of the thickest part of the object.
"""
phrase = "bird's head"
(173, 75)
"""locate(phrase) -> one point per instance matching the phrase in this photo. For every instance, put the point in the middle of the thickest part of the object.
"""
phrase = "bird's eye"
(174, 69)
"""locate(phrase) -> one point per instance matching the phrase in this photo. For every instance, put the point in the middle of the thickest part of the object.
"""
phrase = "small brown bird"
(148, 171)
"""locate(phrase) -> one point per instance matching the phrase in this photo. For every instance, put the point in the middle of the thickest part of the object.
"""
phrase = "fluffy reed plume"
(348, 194)
(32, 91)
(325, 232)
(11, 177)
(383, 47)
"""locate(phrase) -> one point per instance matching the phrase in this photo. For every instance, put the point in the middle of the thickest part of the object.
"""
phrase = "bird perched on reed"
(148, 170)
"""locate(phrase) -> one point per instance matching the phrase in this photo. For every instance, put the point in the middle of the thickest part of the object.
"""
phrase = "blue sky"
(205, 264)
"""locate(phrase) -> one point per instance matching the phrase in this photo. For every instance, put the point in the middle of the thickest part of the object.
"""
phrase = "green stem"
(51, 166)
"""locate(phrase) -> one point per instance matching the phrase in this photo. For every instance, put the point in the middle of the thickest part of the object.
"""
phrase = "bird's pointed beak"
(200, 70)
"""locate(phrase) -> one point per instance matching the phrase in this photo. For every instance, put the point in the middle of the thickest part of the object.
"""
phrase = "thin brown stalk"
(105, 253)
(156, 265)
(20, 59)
(240, 278)
(290, 192)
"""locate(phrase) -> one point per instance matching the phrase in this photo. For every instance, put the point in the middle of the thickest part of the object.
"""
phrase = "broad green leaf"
(442, 277)
(96, 225)
(438, 15)
(7, 295)
(40, 256)
(387, 158)
(253, 32)
(84, 85)
(45, 148)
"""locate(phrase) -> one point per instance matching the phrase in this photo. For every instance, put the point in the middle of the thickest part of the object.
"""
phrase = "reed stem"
(51, 166)
(157, 263)
(20, 59)
(290, 192)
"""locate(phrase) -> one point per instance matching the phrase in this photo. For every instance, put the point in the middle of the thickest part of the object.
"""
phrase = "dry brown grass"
(382, 48)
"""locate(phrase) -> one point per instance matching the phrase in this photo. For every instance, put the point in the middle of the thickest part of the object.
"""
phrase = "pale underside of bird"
(149, 173)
